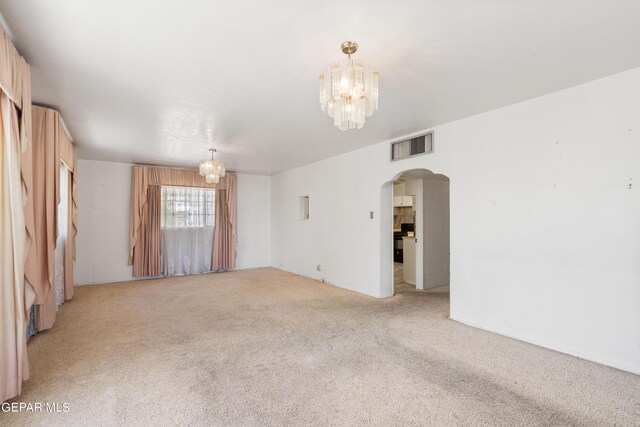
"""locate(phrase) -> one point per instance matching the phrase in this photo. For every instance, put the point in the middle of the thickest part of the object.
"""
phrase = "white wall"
(254, 221)
(102, 246)
(544, 227)
(104, 192)
(435, 208)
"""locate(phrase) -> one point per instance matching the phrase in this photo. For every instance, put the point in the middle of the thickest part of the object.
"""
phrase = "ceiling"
(159, 82)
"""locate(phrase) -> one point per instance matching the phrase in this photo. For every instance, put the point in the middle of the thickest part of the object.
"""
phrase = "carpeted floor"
(265, 347)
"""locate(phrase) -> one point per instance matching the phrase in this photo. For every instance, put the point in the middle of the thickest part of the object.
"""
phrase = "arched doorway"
(429, 196)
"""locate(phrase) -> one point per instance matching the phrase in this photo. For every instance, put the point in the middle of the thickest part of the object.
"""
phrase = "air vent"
(422, 144)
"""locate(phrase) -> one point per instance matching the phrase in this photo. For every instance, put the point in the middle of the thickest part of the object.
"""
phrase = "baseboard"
(552, 347)
(135, 279)
(326, 282)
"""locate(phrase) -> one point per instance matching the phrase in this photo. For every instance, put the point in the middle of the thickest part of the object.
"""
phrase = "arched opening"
(415, 233)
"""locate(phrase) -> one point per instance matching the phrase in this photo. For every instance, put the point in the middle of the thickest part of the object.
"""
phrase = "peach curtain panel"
(144, 234)
(223, 256)
(146, 255)
(14, 301)
(16, 218)
(15, 82)
(51, 146)
(68, 157)
(26, 138)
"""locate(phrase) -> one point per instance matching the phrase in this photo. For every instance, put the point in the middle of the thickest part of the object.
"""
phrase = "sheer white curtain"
(63, 219)
(186, 230)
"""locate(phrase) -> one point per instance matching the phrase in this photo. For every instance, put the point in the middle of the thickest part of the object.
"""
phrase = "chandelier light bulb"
(212, 179)
(348, 91)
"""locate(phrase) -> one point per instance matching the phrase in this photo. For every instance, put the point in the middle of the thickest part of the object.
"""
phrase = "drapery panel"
(17, 248)
(26, 136)
(223, 256)
(14, 298)
(15, 83)
(146, 177)
(146, 259)
(67, 156)
(45, 179)
(52, 149)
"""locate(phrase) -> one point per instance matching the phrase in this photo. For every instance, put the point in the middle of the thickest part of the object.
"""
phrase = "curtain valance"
(13, 75)
(181, 178)
(144, 176)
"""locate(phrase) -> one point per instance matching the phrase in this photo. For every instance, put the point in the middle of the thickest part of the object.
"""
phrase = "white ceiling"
(157, 82)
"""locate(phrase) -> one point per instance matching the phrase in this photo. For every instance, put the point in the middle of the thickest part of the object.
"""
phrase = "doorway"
(406, 213)
(415, 230)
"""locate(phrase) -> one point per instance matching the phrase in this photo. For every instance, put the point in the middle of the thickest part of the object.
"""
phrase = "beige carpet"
(264, 347)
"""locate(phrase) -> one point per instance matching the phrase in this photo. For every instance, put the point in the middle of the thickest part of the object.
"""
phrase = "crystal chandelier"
(211, 169)
(349, 92)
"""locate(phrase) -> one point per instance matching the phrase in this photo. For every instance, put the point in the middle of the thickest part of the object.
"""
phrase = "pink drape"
(67, 154)
(146, 258)
(14, 367)
(26, 136)
(16, 217)
(146, 177)
(51, 146)
(45, 179)
(223, 256)
(15, 83)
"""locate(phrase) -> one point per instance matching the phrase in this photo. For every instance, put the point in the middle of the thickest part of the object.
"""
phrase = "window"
(186, 230)
(187, 207)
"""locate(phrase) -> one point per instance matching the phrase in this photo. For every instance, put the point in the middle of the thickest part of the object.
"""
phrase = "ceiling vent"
(422, 144)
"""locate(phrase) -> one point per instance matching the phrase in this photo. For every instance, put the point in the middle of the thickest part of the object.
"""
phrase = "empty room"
(338, 213)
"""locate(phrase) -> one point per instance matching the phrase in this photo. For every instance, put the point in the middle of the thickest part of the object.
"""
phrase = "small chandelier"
(349, 92)
(211, 169)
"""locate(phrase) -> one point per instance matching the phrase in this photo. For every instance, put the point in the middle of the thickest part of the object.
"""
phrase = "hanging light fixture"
(349, 92)
(211, 169)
